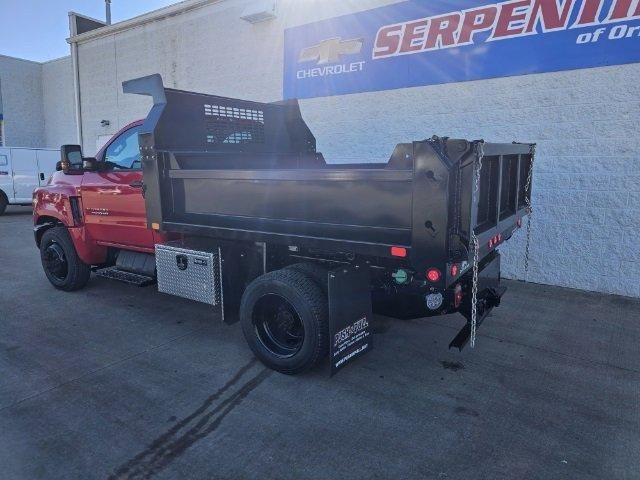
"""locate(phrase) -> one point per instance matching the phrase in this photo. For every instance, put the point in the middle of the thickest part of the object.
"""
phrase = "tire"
(315, 272)
(3, 203)
(285, 320)
(60, 262)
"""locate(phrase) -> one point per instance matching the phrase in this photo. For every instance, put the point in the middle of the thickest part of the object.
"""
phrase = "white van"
(22, 170)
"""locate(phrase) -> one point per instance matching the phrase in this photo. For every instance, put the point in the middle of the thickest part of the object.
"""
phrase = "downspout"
(76, 79)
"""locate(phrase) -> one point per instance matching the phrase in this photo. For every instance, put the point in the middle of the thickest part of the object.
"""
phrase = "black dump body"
(248, 171)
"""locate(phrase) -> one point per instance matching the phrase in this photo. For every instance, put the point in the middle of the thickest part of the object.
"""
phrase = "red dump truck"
(227, 202)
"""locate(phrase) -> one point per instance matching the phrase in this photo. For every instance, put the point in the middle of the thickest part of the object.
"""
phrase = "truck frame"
(247, 216)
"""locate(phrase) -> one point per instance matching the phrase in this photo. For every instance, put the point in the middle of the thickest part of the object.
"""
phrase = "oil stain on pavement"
(455, 366)
(201, 423)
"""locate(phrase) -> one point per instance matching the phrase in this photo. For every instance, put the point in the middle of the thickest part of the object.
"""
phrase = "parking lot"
(119, 382)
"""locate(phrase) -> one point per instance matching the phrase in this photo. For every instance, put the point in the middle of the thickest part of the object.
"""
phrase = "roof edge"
(169, 11)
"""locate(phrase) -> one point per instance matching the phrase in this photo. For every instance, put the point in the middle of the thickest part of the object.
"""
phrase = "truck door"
(47, 160)
(25, 173)
(6, 181)
(113, 201)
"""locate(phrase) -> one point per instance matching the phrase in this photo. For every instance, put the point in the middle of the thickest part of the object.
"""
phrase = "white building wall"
(21, 84)
(587, 182)
(58, 103)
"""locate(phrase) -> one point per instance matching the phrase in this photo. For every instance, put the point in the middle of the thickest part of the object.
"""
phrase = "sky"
(38, 29)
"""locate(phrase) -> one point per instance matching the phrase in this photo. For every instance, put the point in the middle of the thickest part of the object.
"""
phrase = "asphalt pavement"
(122, 382)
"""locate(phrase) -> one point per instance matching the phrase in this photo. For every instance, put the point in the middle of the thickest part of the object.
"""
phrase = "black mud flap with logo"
(349, 315)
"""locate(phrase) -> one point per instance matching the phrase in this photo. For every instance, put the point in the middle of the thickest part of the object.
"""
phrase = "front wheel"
(61, 263)
(285, 320)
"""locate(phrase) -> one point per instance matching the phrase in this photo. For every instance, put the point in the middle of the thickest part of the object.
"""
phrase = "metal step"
(136, 279)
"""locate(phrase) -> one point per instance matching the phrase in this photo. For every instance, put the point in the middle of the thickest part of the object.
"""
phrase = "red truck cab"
(101, 210)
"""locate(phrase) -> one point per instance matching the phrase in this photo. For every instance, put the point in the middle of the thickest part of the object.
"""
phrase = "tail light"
(398, 252)
(455, 270)
(494, 241)
(433, 275)
(457, 296)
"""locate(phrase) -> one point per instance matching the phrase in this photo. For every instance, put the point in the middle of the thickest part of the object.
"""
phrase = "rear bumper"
(490, 293)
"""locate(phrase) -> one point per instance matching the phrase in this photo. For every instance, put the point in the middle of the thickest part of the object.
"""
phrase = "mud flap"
(350, 333)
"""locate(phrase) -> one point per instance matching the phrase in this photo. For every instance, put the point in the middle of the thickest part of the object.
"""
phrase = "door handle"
(139, 184)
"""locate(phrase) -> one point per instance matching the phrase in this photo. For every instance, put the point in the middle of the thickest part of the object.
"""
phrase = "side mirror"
(71, 158)
(90, 165)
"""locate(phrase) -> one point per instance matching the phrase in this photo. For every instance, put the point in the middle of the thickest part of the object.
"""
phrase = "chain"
(476, 248)
(480, 156)
(474, 288)
(529, 208)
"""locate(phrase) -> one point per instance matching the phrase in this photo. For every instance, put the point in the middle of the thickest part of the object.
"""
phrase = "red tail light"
(433, 275)
(495, 240)
(457, 296)
(398, 252)
(455, 270)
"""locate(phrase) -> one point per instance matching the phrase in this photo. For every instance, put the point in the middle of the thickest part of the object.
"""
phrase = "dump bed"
(241, 170)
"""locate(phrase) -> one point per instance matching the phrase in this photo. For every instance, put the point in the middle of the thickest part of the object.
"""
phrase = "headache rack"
(241, 170)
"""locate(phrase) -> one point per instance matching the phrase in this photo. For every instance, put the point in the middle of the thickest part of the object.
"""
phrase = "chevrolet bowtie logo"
(330, 51)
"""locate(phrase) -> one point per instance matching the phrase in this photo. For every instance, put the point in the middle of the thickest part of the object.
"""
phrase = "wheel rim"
(55, 261)
(278, 326)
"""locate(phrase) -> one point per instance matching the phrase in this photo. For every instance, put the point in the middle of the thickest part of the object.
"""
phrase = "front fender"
(52, 206)
(52, 202)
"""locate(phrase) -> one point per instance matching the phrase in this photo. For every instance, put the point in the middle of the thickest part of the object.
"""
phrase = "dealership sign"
(425, 42)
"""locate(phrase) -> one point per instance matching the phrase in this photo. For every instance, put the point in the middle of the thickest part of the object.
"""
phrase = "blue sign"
(427, 42)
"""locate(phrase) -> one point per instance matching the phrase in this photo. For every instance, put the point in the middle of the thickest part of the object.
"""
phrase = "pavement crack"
(201, 423)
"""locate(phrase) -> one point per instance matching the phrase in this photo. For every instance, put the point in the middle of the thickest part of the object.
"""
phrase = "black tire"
(315, 272)
(3, 203)
(60, 262)
(285, 320)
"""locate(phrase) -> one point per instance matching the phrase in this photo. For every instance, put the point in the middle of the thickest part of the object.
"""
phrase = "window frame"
(103, 157)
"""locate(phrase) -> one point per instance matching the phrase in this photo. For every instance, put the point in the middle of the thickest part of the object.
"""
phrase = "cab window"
(124, 151)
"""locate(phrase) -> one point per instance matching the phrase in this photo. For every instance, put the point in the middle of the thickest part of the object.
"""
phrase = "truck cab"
(99, 201)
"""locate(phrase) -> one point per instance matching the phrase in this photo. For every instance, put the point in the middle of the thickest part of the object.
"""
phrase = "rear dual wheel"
(285, 320)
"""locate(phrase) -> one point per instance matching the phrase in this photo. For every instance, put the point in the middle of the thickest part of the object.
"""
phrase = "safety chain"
(529, 208)
(476, 247)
